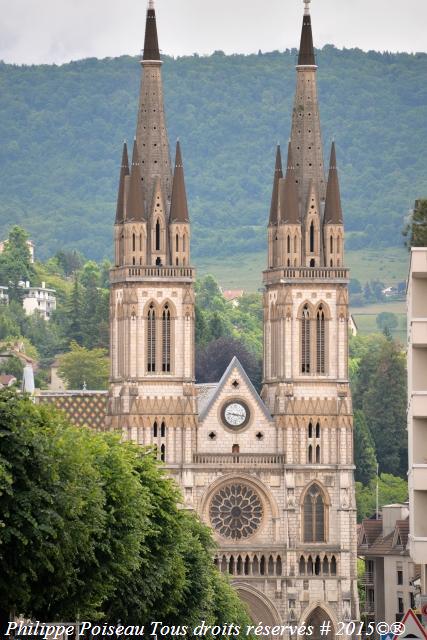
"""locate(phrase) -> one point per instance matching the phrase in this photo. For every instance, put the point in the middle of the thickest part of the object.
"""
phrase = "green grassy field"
(245, 271)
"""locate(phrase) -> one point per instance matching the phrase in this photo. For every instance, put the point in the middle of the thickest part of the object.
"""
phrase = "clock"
(235, 414)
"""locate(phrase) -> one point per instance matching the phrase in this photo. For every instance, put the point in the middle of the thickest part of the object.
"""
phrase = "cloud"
(62, 30)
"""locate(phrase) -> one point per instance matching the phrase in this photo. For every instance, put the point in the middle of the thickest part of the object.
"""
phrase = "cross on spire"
(151, 4)
(306, 8)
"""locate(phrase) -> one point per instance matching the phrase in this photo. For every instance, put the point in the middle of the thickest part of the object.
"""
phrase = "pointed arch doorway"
(316, 618)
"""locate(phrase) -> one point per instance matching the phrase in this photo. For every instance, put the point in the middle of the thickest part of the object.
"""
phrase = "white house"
(39, 299)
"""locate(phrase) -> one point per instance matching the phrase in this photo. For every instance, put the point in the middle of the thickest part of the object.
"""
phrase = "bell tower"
(152, 397)
(306, 383)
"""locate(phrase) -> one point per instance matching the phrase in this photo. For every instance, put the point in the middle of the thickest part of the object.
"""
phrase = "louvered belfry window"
(314, 515)
(166, 340)
(151, 340)
(305, 341)
(320, 339)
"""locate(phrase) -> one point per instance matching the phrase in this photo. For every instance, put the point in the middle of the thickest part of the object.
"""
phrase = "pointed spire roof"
(124, 171)
(333, 209)
(278, 174)
(151, 44)
(306, 50)
(179, 207)
(288, 195)
(135, 209)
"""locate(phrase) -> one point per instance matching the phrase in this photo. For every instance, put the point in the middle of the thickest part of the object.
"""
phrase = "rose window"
(236, 511)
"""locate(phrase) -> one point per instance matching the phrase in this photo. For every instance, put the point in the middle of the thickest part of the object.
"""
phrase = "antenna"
(151, 4)
(306, 8)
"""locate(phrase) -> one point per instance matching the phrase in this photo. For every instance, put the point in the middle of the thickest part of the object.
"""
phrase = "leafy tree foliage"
(364, 450)
(15, 264)
(84, 367)
(392, 489)
(387, 320)
(50, 136)
(91, 528)
(212, 361)
(416, 230)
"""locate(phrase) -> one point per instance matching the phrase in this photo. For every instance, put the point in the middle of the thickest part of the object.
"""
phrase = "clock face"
(235, 414)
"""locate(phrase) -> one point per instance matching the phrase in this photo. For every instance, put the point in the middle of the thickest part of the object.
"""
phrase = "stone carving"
(236, 511)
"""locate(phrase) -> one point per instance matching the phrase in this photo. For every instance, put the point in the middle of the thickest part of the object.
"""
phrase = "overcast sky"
(45, 31)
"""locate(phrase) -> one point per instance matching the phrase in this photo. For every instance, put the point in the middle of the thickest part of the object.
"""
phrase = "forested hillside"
(61, 130)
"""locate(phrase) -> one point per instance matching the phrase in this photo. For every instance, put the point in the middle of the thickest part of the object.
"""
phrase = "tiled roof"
(379, 545)
(83, 408)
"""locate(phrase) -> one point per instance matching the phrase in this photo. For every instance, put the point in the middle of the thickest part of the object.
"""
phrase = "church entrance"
(316, 619)
(260, 609)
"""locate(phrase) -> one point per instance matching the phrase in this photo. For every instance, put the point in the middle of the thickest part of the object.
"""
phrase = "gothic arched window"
(314, 515)
(133, 242)
(151, 339)
(310, 454)
(302, 566)
(305, 340)
(312, 237)
(320, 340)
(332, 245)
(166, 340)
(162, 430)
(176, 242)
(157, 235)
(155, 430)
(310, 430)
(288, 247)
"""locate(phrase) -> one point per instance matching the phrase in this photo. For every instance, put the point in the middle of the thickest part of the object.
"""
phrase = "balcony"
(304, 274)
(419, 404)
(419, 477)
(419, 333)
(248, 460)
(419, 262)
(156, 274)
(368, 609)
(367, 578)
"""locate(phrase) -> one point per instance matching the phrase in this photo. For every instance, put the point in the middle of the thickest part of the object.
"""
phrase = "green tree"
(15, 263)
(384, 405)
(416, 230)
(391, 489)
(81, 366)
(70, 261)
(387, 320)
(364, 450)
(73, 317)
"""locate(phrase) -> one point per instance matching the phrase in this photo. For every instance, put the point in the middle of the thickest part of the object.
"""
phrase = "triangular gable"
(234, 364)
(413, 628)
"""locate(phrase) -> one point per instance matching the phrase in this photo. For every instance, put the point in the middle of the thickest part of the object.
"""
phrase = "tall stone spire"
(289, 207)
(333, 209)
(124, 171)
(278, 174)
(151, 132)
(179, 207)
(306, 50)
(135, 209)
(151, 44)
(306, 134)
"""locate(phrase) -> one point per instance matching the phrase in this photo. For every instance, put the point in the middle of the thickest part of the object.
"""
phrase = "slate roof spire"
(333, 209)
(289, 207)
(278, 174)
(135, 209)
(124, 171)
(151, 44)
(179, 207)
(306, 50)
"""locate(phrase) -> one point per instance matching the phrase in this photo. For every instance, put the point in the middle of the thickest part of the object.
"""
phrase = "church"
(271, 474)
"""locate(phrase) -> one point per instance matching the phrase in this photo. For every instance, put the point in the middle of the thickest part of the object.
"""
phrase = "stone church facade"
(272, 474)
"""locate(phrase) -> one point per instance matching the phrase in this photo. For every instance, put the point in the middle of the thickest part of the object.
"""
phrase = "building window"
(332, 245)
(311, 237)
(155, 432)
(400, 577)
(133, 242)
(317, 454)
(166, 340)
(320, 340)
(310, 454)
(314, 515)
(157, 236)
(289, 244)
(176, 242)
(317, 430)
(151, 339)
(400, 605)
(305, 341)
(310, 430)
